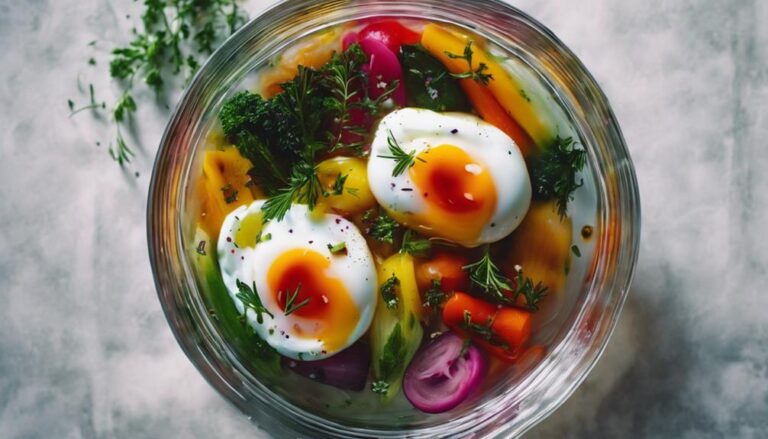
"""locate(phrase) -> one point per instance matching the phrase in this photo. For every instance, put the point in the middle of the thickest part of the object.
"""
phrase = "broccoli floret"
(264, 133)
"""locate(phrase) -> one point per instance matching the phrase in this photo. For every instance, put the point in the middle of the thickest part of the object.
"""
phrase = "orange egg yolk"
(458, 190)
(329, 313)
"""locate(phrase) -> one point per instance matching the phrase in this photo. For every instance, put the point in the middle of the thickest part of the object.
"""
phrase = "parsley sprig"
(404, 160)
(388, 291)
(250, 298)
(553, 174)
(173, 37)
(478, 75)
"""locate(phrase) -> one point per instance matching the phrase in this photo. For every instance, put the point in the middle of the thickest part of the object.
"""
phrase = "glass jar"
(510, 407)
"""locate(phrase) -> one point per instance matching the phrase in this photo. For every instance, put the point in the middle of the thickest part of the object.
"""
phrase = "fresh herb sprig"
(390, 361)
(290, 302)
(250, 298)
(173, 37)
(524, 286)
(303, 187)
(478, 75)
(553, 173)
(496, 287)
(488, 277)
(483, 331)
(404, 160)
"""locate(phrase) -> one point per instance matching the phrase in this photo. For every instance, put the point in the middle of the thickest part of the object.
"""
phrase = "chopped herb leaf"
(388, 291)
(230, 193)
(576, 251)
(435, 296)
(393, 354)
(381, 228)
(338, 248)
(380, 387)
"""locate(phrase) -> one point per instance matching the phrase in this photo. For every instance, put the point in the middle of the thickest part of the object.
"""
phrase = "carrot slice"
(486, 104)
(440, 42)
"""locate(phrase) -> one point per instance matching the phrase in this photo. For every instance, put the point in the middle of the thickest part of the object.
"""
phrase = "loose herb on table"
(173, 38)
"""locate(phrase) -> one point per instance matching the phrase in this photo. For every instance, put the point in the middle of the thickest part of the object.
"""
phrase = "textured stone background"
(85, 351)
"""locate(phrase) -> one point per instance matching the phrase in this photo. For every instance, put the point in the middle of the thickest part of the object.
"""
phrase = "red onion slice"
(346, 370)
(439, 378)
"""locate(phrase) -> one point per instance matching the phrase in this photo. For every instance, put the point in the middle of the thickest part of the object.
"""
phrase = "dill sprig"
(553, 174)
(477, 74)
(404, 160)
(250, 298)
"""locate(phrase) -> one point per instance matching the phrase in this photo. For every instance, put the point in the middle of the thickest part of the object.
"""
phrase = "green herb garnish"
(381, 228)
(414, 246)
(476, 75)
(435, 296)
(303, 187)
(388, 291)
(337, 248)
(553, 174)
(250, 298)
(173, 37)
(404, 159)
(290, 305)
(524, 286)
(338, 185)
(484, 331)
(488, 277)
(380, 387)
(230, 193)
(393, 354)
(576, 251)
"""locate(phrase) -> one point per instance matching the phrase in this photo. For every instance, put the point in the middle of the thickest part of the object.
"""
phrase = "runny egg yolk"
(330, 315)
(458, 191)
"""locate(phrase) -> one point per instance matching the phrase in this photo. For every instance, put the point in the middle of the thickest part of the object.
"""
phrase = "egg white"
(417, 129)
(298, 230)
